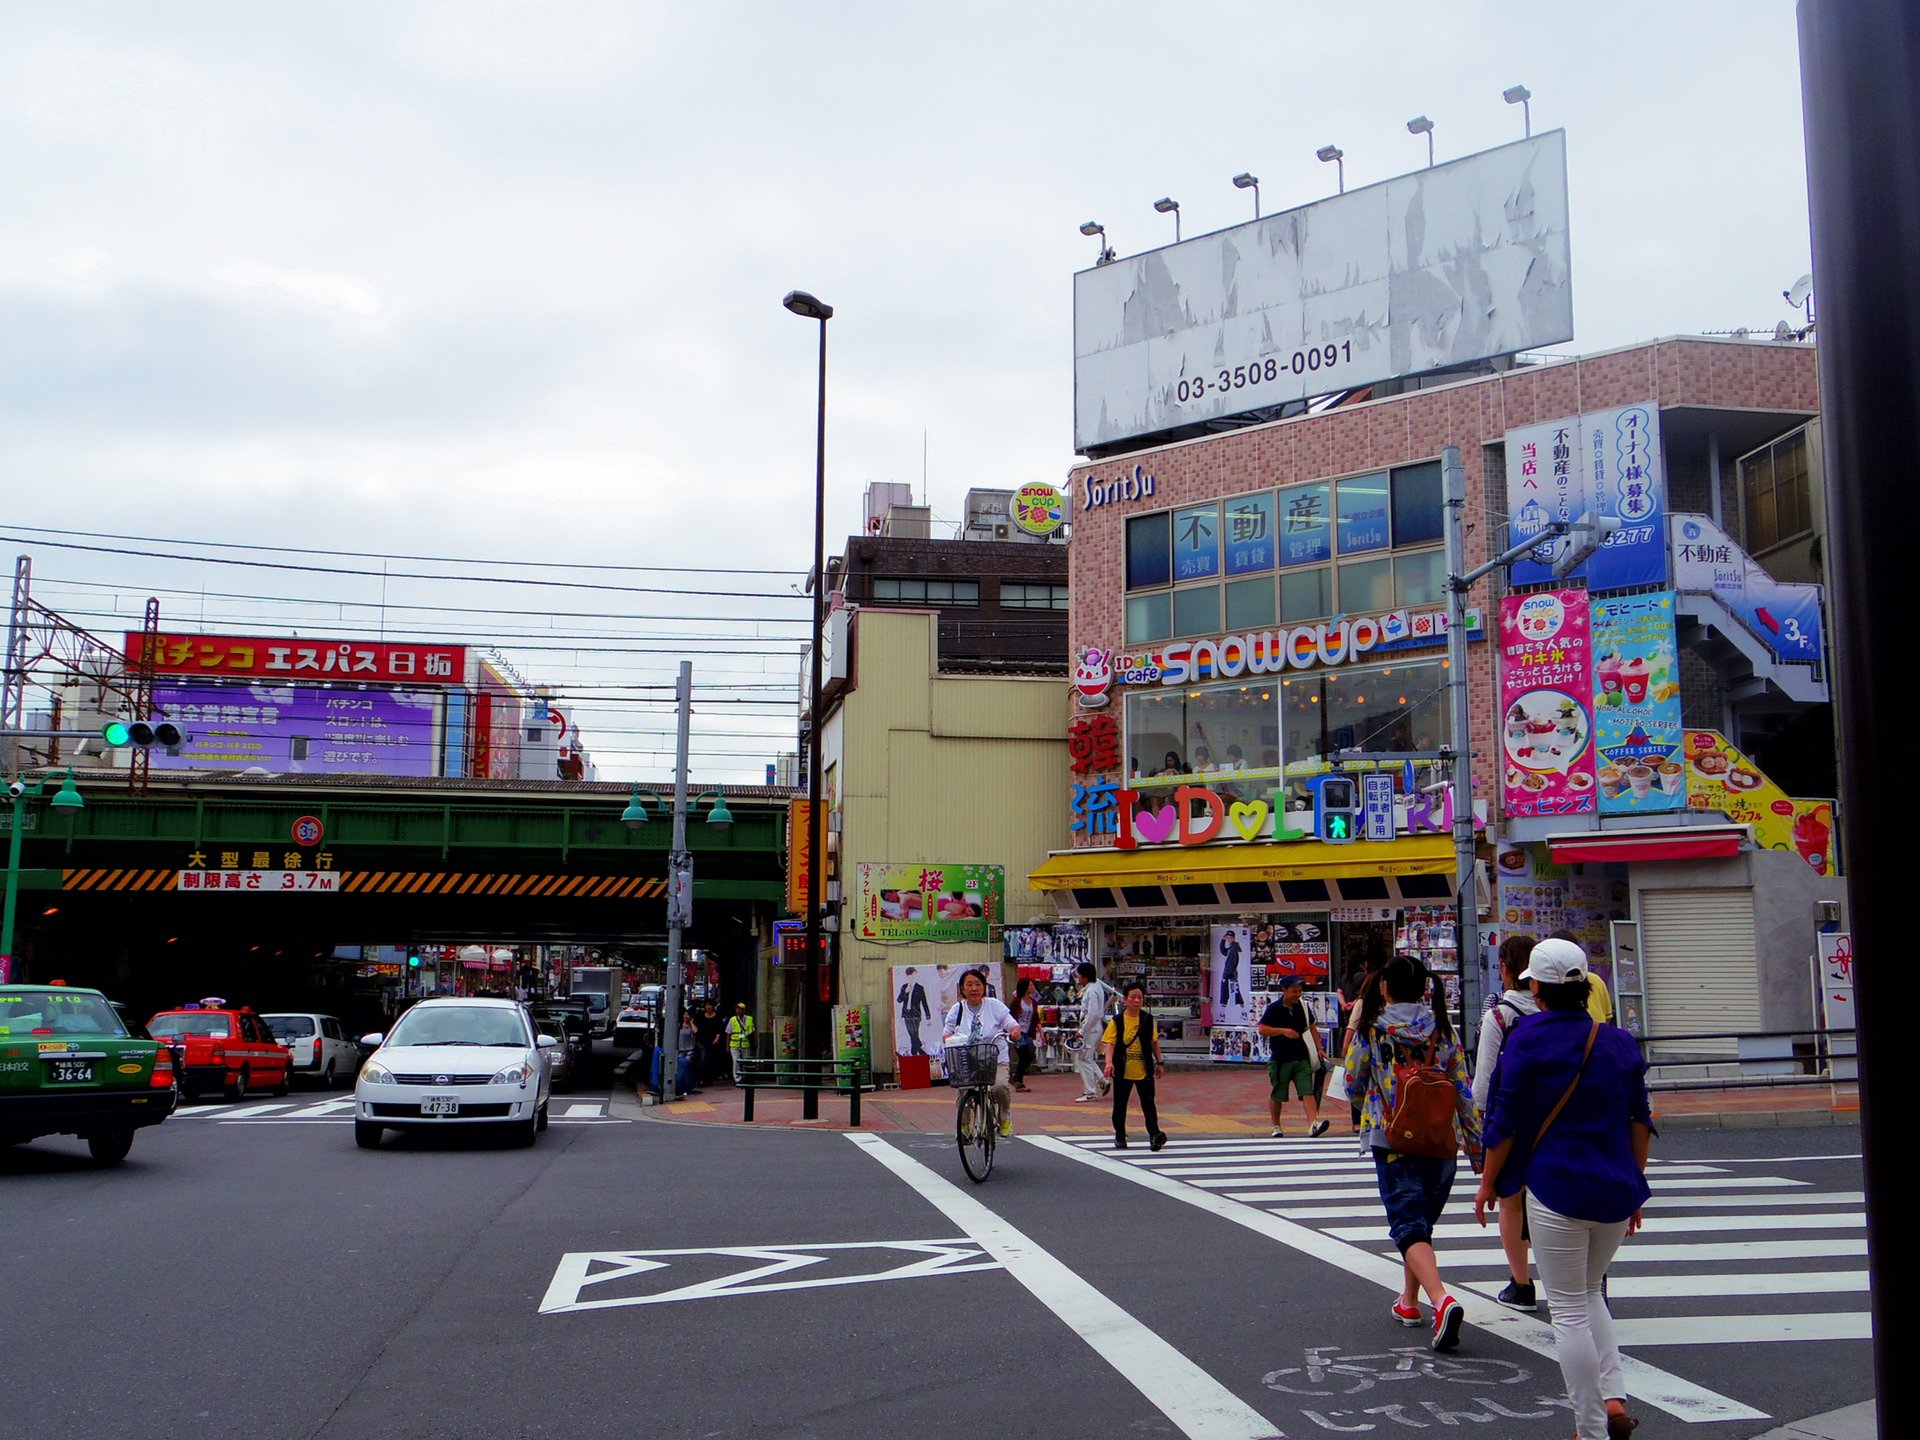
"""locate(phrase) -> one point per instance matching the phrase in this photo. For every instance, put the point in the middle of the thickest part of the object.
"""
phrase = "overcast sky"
(503, 280)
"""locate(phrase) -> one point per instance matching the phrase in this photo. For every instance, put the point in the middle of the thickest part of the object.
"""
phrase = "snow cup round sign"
(1039, 509)
(307, 830)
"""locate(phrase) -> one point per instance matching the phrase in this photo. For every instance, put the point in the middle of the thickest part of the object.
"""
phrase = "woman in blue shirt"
(1568, 1122)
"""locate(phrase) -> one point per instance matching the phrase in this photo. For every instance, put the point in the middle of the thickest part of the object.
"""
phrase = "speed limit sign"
(307, 830)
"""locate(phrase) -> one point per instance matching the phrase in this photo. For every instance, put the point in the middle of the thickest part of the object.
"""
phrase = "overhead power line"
(425, 559)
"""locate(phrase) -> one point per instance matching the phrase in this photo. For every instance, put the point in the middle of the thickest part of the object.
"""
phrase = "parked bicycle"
(972, 1070)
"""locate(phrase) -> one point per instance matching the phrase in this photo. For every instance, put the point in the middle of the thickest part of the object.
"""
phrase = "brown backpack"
(1424, 1106)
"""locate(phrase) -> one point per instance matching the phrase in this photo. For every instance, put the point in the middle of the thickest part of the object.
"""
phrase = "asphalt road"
(260, 1277)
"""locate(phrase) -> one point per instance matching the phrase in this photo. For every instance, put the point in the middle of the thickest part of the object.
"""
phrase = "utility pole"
(1453, 481)
(679, 894)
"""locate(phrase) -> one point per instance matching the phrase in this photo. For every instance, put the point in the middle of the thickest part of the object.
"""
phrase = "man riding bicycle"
(979, 1018)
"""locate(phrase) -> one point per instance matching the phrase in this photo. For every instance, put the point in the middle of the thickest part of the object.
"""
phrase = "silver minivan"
(321, 1048)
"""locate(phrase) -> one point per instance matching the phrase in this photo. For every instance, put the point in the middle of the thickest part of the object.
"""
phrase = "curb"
(1758, 1120)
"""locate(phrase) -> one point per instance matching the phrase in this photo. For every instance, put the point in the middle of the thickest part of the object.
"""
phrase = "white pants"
(1572, 1256)
(1087, 1060)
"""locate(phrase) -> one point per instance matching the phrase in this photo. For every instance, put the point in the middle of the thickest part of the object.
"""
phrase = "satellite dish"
(1783, 331)
(1740, 334)
(1802, 288)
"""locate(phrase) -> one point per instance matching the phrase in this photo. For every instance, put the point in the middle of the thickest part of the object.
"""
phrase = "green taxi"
(69, 1067)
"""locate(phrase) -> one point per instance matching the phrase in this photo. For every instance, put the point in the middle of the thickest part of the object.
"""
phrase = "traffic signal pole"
(679, 894)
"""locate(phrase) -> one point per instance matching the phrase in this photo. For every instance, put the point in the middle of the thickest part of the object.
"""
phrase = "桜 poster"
(1636, 705)
(1546, 700)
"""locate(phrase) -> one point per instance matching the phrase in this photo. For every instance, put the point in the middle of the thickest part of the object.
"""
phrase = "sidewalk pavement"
(1215, 1100)
(1852, 1422)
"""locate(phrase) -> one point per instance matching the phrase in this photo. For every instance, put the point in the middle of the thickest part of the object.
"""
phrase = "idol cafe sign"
(1200, 815)
(1266, 652)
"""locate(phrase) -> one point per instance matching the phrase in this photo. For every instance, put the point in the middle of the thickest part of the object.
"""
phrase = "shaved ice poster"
(1546, 703)
(1636, 706)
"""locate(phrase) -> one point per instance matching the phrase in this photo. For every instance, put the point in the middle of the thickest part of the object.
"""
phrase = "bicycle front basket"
(975, 1064)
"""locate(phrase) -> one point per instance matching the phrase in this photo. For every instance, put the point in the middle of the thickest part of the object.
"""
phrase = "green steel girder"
(560, 830)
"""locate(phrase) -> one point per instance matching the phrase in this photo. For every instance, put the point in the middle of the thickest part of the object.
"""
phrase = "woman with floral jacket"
(1403, 1017)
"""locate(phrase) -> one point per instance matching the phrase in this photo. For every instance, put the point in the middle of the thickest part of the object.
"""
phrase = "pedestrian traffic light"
(143, 734)
(1336, 809)
(413, 960)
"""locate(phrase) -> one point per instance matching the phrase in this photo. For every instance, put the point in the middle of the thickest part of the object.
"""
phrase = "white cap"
(1554, 962)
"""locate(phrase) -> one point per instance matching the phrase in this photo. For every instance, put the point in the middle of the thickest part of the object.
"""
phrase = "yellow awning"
(1218, 864)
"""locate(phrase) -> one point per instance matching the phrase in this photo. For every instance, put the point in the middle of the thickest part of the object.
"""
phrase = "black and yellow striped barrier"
(410, 882)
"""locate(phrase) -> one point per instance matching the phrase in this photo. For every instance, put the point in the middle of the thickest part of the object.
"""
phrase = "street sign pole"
(679, 895)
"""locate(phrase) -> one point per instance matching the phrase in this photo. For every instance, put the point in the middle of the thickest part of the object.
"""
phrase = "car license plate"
(72, 1069)
(439, 1105)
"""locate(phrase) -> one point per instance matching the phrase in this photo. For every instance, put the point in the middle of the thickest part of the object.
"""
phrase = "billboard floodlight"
(1095, 228)
(1334, 155)
(1166, 205)
(1420, 125)
(1246, 180)
(1520, 95)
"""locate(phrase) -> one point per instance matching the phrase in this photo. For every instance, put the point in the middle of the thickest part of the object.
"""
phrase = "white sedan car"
(450, 1062)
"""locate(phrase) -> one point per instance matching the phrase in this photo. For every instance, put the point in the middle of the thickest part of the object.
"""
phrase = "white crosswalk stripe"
(1768, 1248)
(339, 1111)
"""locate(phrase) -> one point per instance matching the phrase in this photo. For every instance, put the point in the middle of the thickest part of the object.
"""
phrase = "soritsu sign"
(372, 662)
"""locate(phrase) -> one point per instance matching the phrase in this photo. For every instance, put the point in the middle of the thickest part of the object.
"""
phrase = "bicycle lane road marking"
(1681, 1398)
(1198, 1404)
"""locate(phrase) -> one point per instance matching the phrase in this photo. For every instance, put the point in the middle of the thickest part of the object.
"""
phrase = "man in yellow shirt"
(1599, 1000)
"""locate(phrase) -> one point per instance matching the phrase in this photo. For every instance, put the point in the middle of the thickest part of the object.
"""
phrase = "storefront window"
(1366, 586)
(1389, 707)
(1250, 604)
(1149, 618)
(1175, 736)
(1196, 611)
(1149, 551)
(1306, 594)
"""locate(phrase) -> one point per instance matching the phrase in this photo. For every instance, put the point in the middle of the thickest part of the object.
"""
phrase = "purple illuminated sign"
(300, 729)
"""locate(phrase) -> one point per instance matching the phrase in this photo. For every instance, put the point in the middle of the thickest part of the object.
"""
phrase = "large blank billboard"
(1455, 263)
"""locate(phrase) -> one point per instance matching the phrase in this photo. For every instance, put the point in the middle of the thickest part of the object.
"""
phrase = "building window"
(1024, 595)
(891, 591)
(1393, 708)
(1196, 610)
(1149, 618)
(1774, 490)
(1249, 604)
(1366, 586)
(1419, 507)
(1149, 551)
(1306, 594)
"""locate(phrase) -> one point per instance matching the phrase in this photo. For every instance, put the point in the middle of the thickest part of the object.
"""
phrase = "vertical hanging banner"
(1546, 696)
(1636, 705)
(799, 854)
(1603, 466)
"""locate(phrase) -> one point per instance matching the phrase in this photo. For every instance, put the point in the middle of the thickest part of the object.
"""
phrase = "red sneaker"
(1407, 1314)
(1447, 1321)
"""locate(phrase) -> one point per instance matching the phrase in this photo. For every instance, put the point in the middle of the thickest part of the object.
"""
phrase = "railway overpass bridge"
(217, 884)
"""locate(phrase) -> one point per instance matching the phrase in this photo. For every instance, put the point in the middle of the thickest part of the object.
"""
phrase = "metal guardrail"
(1759, 1059)
(837, 1077)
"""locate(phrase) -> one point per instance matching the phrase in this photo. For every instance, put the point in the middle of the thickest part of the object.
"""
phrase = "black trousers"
(1023, 1058)
(1122, 1088)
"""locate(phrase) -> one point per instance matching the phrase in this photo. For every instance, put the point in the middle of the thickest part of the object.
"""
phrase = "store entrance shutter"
(1703, 977)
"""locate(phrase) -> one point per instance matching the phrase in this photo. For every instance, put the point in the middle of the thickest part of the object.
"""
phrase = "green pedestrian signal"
(1336, 809)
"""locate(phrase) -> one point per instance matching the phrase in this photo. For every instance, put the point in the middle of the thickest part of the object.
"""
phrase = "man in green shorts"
(1285, 1025)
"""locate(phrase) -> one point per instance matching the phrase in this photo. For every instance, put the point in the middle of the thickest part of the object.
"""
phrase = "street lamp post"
(66, 798)
(812, 1032)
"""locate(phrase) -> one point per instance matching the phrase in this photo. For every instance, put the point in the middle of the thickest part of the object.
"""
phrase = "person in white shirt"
(1095, 1000)
(980, 1017)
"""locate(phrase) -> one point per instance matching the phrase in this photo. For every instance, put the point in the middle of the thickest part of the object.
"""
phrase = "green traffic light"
(1336, 827)
(116, 733)
(413, 962)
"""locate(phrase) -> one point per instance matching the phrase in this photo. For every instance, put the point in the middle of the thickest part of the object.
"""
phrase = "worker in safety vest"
(740, 1037)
